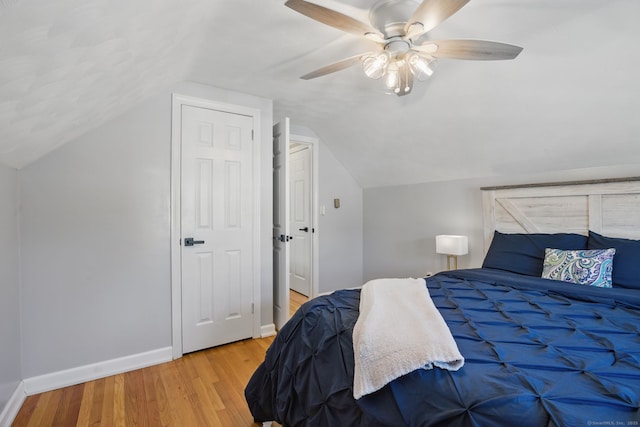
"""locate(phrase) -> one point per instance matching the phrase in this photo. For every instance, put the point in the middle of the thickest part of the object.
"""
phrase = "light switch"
(336, 203)
(323, 210)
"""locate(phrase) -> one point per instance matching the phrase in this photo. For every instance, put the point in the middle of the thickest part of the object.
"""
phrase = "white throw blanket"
(398, 331)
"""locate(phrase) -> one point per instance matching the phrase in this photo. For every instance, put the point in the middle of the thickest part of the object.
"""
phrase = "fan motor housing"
(390, 16)
(397, 47)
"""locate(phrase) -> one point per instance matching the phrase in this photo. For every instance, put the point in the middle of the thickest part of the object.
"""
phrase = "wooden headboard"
(608, 207)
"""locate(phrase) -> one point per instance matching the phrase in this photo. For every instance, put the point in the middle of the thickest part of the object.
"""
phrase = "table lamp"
(452, 246)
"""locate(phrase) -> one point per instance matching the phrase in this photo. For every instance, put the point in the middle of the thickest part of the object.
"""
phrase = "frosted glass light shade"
(420, 67)
(375, 66)
(452, 245)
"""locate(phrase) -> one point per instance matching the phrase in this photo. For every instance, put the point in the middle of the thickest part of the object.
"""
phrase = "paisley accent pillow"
(584, 267)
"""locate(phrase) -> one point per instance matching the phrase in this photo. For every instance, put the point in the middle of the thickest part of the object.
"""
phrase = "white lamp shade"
(452, 245)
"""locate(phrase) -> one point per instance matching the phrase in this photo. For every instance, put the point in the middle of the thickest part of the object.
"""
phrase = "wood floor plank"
(27, 411)
(203, 378)
(118, 400)
(168, 414)
(204, 392)
(136, 401)
(96, 407)
(68, 406)
(153, 409)
(46, 410)
(187, 376)
(178, 393)
(231, 364)
(106, 417)
(84, 413)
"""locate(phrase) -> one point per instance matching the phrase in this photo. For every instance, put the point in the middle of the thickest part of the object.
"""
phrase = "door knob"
(306, 229)
(188, 241)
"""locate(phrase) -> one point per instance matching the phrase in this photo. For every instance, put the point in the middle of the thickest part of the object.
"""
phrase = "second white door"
(301, 221)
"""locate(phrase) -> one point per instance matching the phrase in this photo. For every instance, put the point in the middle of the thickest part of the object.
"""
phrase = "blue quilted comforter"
(537, 353)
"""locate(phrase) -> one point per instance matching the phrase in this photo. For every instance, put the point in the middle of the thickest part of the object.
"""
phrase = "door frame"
(314, 146)
(177, 101)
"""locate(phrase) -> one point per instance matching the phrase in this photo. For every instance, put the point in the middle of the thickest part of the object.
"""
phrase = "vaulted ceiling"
(569, 101)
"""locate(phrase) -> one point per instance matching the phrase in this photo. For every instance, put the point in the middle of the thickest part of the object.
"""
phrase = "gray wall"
(341, 238)
(95, 238)
(400, 223)
(10, 342)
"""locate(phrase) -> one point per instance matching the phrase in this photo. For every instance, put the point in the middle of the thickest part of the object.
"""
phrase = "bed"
(537, 351)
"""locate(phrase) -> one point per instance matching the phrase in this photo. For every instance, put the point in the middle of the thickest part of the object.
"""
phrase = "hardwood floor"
(295, 301)
(205, 388)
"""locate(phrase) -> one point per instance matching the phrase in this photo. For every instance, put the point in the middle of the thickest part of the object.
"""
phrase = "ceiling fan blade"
(335, 19)
(479, 50)
(336, 66)
(430, 14)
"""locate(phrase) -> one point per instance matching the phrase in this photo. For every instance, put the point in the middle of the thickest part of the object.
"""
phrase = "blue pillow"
(585, 267)
(626, 262)
(524, 253)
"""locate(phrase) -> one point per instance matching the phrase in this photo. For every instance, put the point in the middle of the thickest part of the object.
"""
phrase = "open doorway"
(300, 218)
(301, 221)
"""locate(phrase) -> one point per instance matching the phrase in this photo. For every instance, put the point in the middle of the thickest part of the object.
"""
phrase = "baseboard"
(267, 330)
(73, 376)
(12, 407)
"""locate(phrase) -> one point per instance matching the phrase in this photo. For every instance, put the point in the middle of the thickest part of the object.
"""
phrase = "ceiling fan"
(405, 51)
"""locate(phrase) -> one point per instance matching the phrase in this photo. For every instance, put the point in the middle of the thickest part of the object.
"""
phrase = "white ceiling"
(569, 101)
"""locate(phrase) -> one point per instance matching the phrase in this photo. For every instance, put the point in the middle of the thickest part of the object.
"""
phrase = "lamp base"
(455, 262)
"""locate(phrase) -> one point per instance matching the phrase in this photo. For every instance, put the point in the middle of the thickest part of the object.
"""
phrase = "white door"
(301, 224)
(281, 234)
(218, 214)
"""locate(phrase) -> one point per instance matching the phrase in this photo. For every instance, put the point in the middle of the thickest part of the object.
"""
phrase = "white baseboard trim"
(73, 376)
(12, 407)
(267, 330)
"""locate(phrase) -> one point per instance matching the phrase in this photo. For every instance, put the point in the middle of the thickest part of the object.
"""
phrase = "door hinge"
(252, 136)
(252, 307)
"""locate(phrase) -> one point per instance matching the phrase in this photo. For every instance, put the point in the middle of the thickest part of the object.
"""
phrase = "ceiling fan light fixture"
(375, 66)
(399, 78)
(421, 66)
(392, 78)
